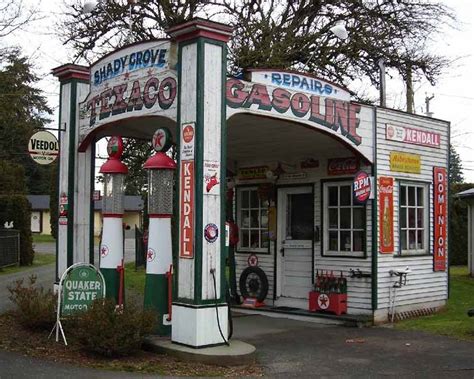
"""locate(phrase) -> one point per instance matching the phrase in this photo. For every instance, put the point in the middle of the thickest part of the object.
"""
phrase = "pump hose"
(217, 308)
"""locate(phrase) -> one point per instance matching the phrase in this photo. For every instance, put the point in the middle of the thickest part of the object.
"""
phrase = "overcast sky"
(453, 99)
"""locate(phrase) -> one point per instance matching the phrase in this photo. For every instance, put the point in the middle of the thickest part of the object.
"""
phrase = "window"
(413, 218)
(344, 221)
(253, 221)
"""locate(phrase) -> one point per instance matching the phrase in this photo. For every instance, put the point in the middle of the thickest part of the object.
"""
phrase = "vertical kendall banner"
(386, 214)
(440, 203)
(186, 191)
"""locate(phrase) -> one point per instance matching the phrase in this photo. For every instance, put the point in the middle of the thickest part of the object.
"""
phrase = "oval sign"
(43, 147)
(361, 186)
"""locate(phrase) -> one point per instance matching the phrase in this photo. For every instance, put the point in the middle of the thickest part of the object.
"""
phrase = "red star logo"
(150, 72)
(104, 251)
(126, 75)
(158, 139)
(323, 300)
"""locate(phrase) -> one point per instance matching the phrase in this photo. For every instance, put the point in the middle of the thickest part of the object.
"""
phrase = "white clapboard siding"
(423, 284)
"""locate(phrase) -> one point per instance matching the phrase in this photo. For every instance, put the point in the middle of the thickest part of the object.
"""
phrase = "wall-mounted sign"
(138, 80)
(386, 214)
(252, 260)
(404, 162)
(412, 136)
(309, 163)
(343, 166)
(298, 82)
(211, 232)
(361, 187)
(250, 173)
(336, 117)
(96, 195)
(212, 171)
(43, 147)
(186, 191)
(293, 176)
(440, 200)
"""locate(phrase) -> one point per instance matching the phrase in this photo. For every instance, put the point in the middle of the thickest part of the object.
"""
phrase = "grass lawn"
(134, 280)
(453, 321)
(39, 260)
(41, 238)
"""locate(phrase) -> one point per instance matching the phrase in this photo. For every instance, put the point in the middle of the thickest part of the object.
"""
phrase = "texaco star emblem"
(150, 255)
(323, 301)
(104, 251)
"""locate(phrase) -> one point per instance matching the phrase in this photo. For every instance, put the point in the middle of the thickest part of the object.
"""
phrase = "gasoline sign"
(43, 147)
(80, 285)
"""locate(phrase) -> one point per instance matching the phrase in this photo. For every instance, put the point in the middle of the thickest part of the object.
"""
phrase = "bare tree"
(14, 15)
(291, 34)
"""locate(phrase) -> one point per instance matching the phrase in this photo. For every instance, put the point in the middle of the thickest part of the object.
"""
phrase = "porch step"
(304, 315)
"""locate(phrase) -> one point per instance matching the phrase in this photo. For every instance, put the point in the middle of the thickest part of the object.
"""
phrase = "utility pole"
(409, 82)
(427, 102)
(381, 63)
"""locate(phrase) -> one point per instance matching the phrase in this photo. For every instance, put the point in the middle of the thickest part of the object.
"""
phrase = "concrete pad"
(236, 354)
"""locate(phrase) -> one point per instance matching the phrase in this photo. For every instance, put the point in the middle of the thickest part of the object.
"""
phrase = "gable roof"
(466, 194)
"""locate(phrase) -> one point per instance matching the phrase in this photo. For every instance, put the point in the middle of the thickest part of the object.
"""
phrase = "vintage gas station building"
(321, 186)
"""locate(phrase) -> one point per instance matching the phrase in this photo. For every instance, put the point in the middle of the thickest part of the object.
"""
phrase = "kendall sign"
(138, 80)
(412, 136)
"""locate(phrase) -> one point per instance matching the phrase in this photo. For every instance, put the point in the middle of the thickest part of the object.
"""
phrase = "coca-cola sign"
(343, 166)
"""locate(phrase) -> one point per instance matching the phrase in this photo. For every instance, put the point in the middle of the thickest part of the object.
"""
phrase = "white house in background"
(40, 215)
(468, 195)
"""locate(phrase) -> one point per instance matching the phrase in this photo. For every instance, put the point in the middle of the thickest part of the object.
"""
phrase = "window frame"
(426, 186)
(239, 248)
(325, 184)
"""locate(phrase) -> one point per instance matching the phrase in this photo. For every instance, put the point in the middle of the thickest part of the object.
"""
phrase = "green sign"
(81, 284)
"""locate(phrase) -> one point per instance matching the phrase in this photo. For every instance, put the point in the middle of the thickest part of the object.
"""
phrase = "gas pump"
(111, 247)
(159, 267)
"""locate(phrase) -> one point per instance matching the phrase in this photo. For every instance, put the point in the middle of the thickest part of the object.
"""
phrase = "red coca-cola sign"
(343, 166)
(361, 186)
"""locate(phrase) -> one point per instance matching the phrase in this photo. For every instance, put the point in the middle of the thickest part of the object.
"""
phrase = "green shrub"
(35, 307)
(112, 332)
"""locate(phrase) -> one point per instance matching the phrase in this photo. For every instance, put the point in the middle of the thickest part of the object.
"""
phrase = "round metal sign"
(361, 186)
(43, 147)
(115, 147)
(161, 140)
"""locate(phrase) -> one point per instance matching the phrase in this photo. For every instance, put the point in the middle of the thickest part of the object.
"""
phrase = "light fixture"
(339, 30)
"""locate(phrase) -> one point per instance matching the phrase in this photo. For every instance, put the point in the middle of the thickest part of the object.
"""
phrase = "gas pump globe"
(158, 291)
(111, 247)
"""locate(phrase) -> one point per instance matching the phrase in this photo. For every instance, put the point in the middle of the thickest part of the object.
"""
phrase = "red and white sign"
(343, 166)
(212, 177)
(362, 186)
(186, 201)
(187, 141)
(386, 214)
(252, 260)
(323, 301)
(412, 136)
(43, 147)
(440, 202)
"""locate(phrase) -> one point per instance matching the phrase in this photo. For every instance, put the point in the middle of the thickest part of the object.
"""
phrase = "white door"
(35, 222)
(295, 242)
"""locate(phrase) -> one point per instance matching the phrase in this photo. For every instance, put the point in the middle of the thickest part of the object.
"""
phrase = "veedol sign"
(135, 81)
(43, 147)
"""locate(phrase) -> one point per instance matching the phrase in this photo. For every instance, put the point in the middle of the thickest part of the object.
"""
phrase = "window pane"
(254, 238)
(253, 199)
(346, 240)
(419, 196)
(345, 195)
(301, 216)
(419, 218)
(263, 218)
(411, 239)
(245, 238)
(264, 236)
(332, 196)
(345, 218)
(420, 239)
(403, 241)
(254, 219)
(333, 223)
(403, 195)
(411, 217)
(403, 217)
(333, 241)
(411, 195)
(359, 218)
(245, 199)
(359, 241)
(245, 219)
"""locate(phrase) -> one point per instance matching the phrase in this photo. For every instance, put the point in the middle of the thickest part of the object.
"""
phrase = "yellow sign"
(247, 173)
(404, 162)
